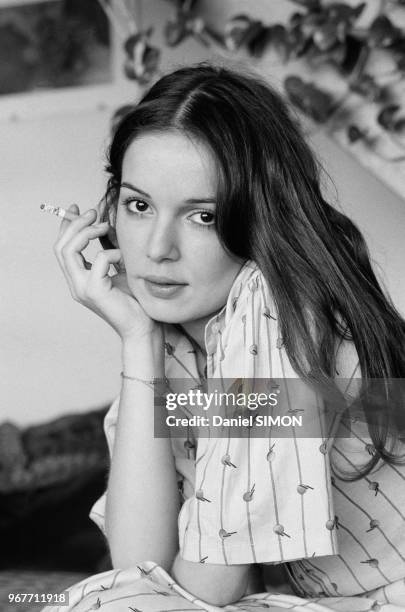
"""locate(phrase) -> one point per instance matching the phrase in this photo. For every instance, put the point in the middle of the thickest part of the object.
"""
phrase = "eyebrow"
(190, 201)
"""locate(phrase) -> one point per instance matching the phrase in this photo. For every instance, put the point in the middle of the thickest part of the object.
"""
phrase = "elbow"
(121, 554)
(130, 546)
(124, 557)
(223, 594)
(121, 557)
(214, 584)
(215, 597)
(220, 599)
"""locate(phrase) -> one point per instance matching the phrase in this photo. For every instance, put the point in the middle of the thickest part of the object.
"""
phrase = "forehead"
(170, 160)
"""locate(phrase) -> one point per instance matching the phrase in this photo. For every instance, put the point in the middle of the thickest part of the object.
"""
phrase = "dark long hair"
(270, 209)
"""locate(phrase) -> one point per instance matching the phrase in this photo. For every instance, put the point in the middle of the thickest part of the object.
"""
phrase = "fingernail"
(88, 213)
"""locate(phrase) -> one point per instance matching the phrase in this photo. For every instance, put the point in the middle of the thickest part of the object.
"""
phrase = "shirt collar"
(216, 324)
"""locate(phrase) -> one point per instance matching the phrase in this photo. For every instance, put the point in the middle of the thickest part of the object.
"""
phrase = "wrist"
(143, 356)
(152, 333)
(153, 337)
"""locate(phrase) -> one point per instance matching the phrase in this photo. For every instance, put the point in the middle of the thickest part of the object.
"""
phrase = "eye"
(136, 206)
(203, 217)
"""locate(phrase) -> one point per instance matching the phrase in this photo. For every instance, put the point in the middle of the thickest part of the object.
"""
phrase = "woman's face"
(165, 229)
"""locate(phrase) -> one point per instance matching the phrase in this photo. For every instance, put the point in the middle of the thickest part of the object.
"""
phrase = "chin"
(164, 313)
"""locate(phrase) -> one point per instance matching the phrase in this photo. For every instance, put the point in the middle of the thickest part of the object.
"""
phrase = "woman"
(231, 264)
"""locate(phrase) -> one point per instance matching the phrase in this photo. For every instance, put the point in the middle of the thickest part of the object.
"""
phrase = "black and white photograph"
(203, 346)
(51, 44)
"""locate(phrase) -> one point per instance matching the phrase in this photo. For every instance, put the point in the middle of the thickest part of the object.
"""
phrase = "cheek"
(130, 244)
(215, 273)
(206, 254)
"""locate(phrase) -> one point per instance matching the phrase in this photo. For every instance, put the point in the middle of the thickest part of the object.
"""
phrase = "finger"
(69, 254)
(72, 256)
(103, 261)
(66, 231)
(99, 277)
(65, 222)
(74, 265)
(72, 227)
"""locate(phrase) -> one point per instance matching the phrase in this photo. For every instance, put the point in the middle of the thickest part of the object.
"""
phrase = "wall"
(56, 357)
(47, 367)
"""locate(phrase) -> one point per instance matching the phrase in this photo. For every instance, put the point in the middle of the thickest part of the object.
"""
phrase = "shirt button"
(215, 328)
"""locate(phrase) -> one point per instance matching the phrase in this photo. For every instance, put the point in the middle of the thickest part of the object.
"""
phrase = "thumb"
(104, 259)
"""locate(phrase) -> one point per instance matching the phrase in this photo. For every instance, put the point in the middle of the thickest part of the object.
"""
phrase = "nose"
(163, 241)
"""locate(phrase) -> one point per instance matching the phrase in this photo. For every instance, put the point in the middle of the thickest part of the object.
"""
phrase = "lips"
(163, 280)
(163, 287)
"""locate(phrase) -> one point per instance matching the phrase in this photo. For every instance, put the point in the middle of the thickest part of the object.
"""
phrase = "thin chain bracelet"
(149, 383)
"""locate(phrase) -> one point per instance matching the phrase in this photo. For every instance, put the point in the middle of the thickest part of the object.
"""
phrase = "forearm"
(218, 585)
(142, 500)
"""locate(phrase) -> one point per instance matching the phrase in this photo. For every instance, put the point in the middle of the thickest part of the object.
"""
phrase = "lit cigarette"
(59, 211)
(107, 242)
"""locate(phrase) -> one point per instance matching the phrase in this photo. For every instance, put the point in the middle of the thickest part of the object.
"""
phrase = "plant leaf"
(386, 117)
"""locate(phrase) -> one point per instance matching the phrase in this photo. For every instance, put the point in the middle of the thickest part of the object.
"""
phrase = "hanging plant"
(186, 23)
(320, 34)
(366, 86)
(327, 35)
(142, 60)
(383, 33)
(311, 100)
(389, 120)
(354, 134)
(241, 31)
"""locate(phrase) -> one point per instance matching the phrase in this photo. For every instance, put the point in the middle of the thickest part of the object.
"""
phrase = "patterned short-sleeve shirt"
(274, 500)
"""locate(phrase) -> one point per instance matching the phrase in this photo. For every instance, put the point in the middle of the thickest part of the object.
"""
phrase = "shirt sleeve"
(97, 512)
(261, 499)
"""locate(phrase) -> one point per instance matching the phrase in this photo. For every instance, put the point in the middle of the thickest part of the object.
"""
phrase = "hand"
(108, 296)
